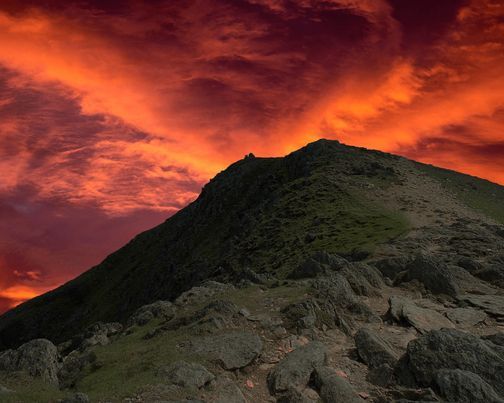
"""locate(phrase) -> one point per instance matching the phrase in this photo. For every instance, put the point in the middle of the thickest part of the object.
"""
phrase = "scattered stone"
(186, 374)
(373, 350)
(460, 386)
(466, 316)
(295, 369)
(39, 358)
(158, 309)
(454, 349)
(333, 388)
(232, 350)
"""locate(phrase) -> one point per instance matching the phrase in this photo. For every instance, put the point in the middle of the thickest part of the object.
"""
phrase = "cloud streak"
(115, 113)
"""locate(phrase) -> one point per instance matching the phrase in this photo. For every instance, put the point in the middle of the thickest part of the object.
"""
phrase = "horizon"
(113, 116)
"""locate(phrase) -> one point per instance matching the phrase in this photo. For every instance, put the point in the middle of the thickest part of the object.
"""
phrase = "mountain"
(329, 250)
(265, 214)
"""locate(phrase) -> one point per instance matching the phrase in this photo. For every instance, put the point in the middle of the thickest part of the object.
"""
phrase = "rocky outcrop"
(450, 349)
(39, 358)
(231, 350)
(164, 310)
(460, 386)
(186, 375)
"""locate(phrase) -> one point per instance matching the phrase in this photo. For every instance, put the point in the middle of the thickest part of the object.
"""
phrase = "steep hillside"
(264, 214)
(333, 274)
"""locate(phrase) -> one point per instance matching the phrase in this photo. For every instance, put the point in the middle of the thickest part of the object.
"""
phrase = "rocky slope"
(333, 274)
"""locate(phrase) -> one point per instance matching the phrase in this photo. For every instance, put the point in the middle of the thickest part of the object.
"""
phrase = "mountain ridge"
(266, 214)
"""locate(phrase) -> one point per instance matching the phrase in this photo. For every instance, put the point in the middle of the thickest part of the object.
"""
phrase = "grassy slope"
(479, 194)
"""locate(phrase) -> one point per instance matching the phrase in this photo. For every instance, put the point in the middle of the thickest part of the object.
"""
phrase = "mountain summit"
(265, 215)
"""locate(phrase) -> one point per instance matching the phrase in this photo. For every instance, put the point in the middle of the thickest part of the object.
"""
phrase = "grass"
(479, 194)
(27, 389)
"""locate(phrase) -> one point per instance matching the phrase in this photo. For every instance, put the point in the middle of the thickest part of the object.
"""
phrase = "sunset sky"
(113, 114)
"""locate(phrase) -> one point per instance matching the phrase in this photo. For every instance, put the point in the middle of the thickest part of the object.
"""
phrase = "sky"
(113, 114)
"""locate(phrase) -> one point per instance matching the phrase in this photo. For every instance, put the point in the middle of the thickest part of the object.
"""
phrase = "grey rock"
(39, 358)
(373, 350)
(197, 295)
(186, 374)
(466, 316)
(493, 305)
(471, 265)
(159, 309)
(382, 375)
(460, 386)
(454, 349)
(73, 365)
(320, 263)
(422, 319)
(391, 267)
(295, 369)
(434, 275)
(333, 388)
(99, 334)
(232, 350)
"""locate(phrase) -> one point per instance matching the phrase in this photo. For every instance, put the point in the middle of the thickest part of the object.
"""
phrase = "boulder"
(460, 386)
(39, 358)
(296, 368)
(373, 350)
(232, 350)
(333, 388)
(392, 266)
(159, 309)
(466, 316)
(186, 375)
(454, 349)
(433, 274)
